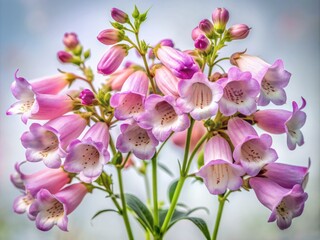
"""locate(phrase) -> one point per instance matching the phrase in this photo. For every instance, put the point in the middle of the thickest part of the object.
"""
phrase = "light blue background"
(30, 35)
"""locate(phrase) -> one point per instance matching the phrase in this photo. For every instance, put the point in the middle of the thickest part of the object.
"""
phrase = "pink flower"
(119, 15)
(219, 173)
(199, 96)
(166, 81)
(52, 209)
(70, 40)
(202, 43)
(118, 78)
(272, 78)
(239, 93)
(251, 151)
(206, 26)
(110, 36)
(129, 103)
(89, 155)
(48, 143)
(87, 97)
(279, 121)
(220, 17)
(65, 57)
(137, 140)
(163, 116)
(284, 203)
(112, 59)
(196, 32)
(238, 31)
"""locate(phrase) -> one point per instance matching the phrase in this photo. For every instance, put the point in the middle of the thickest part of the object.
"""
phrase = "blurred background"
(31, 33)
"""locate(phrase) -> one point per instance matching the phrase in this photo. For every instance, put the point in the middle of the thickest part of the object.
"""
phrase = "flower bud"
(238, 31)
(202, 43)
(87, 97)
(195, 33)
(166, 42)
(220, 17)
(70, 40)
(119, 15)
(206, 26)
(110, 36)
(64, 57)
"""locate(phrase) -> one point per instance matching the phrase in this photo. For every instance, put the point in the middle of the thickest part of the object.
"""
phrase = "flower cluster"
(173, 93)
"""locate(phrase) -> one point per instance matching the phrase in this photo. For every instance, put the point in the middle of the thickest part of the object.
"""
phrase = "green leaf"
(200, 161)
(165, 169)
(104, 211)
(201, 224)
(176, 215)
(143, 214)
(198, 208)
(172, 189)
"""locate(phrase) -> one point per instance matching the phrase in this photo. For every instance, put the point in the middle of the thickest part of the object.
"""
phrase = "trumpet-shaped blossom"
(284, 203)
(279, 121)
(163, 116)
(239, 93)
(52, 209)
(163, 42)
(272, 78)
(251, 151)
(166, 81)
(48, 143)
(129, 103)
(199, 96)
(89, 155)
(137, 140)
(219, 173)
(22, 203)
(181, 64)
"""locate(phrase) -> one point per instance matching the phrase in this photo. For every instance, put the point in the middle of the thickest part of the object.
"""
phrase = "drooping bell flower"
(251, 151)
(53, 209)
(129, 102)
(219, 173)
(89, 155)
(239, 93)
(48, 143)
(137, 140)
(272, 78)
(199, 96)
(163, 116)
(278, 121)
(181, 64)
(166, 81)
(284, 203)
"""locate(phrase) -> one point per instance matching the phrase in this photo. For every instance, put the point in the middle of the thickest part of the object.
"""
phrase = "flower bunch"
(185, 96)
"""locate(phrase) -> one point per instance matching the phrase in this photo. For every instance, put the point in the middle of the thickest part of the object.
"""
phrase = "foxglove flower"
(181, 64)
(137, 140)
(89, 155)
(279, 121)
(22, 203)
(110, 36)
(118, 78)
(206, 26)
(163, 42)
(52, 209)
(272, 78)
(196, 32)
(252, 151)
(199, 96)
(284, 203)
(239, 93)
(48, 143)
(202, 43)
(166, 81)
(119, 15)
(219, 173)
(87, 97)
(129, 103)
(163, 116)
(220, 17)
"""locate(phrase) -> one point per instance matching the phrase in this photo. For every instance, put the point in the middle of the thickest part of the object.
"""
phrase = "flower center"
(55, 210)
(251, 152)
(282, 210)
(267, 87)
(26, 105)
(89, 155)
(138, 136)
(132, 104)
(234, 93)
(166, 113)
(51, 143)
(201, 95)
(220, 172)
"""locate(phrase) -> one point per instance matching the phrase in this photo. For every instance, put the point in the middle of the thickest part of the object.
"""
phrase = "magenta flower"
(166, 81)
(199, 96)
(87, 97)
(202, 43)
(238, 31)
(48, 143)
(196, 32)
(163, 116)
(206, 26)
(112, 59)
(110, 36)
(119, 15)
(220, 17)
(70, 40)
(129, 103)
(251, 151)
(181, 64)
(272, 78)
(239, 93)
(89, 155)
(284, 203)
(65, 57)
(52, 209)
(118, 78)
(219, 173)
(279, 121)
(137, 140)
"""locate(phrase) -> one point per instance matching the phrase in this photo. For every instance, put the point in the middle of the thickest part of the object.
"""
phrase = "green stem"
(221, 59)
(124, 206)
(187, 148)
(222, 199)
(155, 190)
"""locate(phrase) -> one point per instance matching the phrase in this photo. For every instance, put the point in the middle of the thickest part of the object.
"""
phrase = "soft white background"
(30, 35)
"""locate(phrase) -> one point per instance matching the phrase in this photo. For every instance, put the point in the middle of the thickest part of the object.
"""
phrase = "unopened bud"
(196, 32)
(110, 36)
(119, 15)
(64, 57)
(202, 43)
(87, 97)
(238, 31)
(220, 17)
(206, 26)
(70, 40)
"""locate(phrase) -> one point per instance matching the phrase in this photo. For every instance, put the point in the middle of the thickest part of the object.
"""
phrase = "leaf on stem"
(104, 211)
(172, 189)
(165, 169)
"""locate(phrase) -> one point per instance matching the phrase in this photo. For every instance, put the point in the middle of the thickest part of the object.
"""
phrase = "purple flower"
(52, 209)
(284, 203)
(65, 57)
(87, 97)
(272, 78)
(89, 155)
(219, 173)
(279, 121)
(110, 36)
(181, 64)
(239, 93)
(137, 140)
(48, 143)
(220, 17)
(163, 116)
(130, 101)
(252, 151)
(166, 81)
(206, 26)
(199, 96)
(202, 43)
(238, 31)
(119, 15)
(22, 203)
